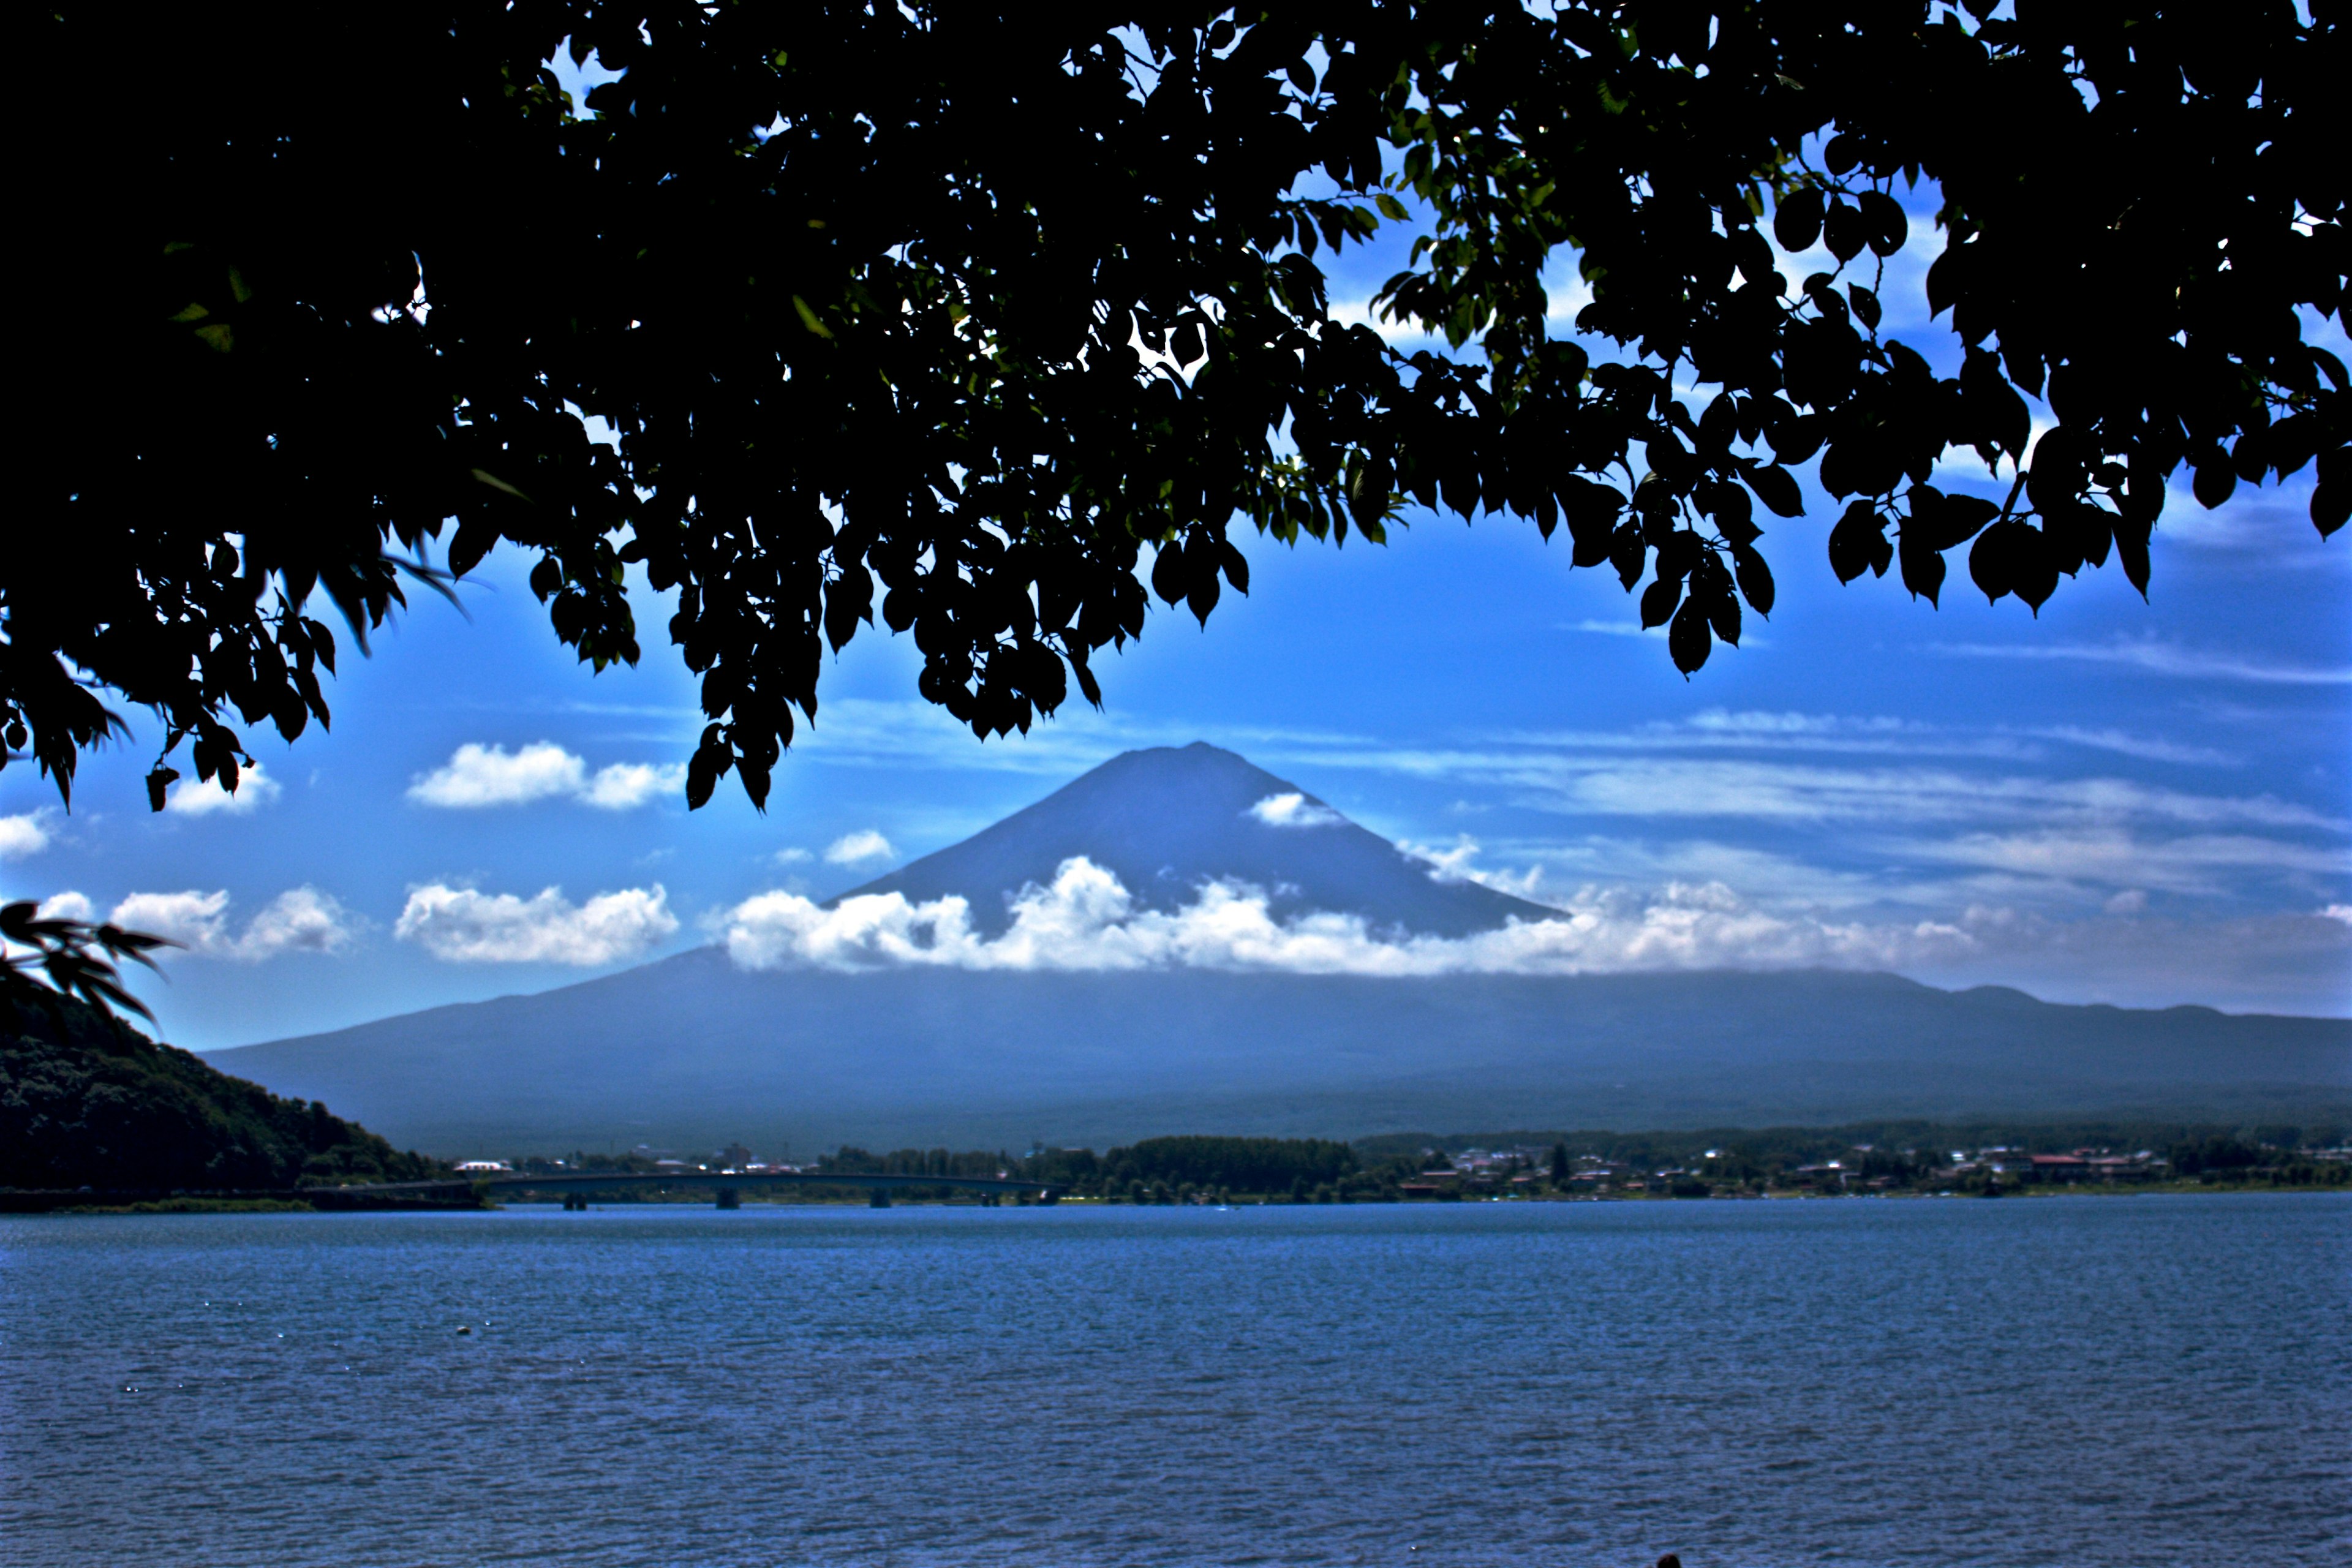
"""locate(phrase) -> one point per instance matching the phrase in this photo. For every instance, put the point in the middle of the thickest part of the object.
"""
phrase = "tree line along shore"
(1911, 1159)
(94, 1114)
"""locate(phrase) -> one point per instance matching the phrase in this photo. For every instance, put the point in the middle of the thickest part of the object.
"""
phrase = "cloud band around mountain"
(1087, 920)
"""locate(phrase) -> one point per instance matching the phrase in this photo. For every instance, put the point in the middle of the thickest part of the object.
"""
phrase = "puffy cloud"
(1458, 864)
(1087, 920)
(463, 926)
(27, 833)
(197, 921)
(623, 787)
(862, 848)
(198, 797)
(300, 919)
(68, 906)
(791, 857)
(476, 776)
(1295, 810)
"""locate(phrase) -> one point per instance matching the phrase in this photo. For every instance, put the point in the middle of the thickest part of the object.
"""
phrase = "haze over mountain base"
(693, 1052)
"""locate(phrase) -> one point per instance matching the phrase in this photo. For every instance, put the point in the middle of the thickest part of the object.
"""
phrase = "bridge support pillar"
(880, 1198)
(728, 1198)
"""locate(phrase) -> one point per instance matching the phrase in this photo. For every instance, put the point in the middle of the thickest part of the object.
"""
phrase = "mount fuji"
(1180, 941)
(1167, 821)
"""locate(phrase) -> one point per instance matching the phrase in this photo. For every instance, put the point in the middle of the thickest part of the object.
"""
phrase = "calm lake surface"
(2067, 1381)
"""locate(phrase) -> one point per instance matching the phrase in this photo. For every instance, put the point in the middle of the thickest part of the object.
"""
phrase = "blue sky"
(2144, 804)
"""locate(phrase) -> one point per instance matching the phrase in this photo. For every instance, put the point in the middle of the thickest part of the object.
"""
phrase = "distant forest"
(87, 1102)
(1771, 1147)
(1910, 1156)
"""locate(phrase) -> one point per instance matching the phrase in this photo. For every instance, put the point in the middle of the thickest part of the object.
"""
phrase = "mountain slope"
(692, 1052)
(1167, 819)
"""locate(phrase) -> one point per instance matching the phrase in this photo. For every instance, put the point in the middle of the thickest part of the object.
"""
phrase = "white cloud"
(1295, 810)
(1798, 793)
(463, 926)
(1088, 921)
(68, 906)
(2192, 863)
(477, 776)
(300, 919)
(2159, 658)
(1455, 865)
(199, 797)
(623, 787)
(27, 833)
(791, 857)
(2145, 748)
(864, 848)
(197, 921)
(1723, 721)
(2338, 913)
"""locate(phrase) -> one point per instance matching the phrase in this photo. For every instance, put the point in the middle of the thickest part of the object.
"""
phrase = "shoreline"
(85, 1204)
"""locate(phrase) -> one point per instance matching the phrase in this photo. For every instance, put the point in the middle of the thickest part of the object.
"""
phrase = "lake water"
(2138, 1381)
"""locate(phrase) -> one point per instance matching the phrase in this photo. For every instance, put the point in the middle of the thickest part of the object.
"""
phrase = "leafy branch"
(76, 958)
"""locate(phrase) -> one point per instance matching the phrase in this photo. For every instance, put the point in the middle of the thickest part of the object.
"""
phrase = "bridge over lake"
(729, 1185)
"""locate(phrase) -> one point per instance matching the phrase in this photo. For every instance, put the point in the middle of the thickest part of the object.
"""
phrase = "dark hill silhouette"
(86, 1101)
(691, 1052)
(1167, 819)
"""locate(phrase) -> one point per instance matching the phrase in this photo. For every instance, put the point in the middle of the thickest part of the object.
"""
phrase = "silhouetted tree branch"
(74, 957)
(858, 292)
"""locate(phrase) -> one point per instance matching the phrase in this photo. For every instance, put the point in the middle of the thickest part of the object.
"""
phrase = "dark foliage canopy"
(1243, 1164)
(858, 288)
(86, 1101)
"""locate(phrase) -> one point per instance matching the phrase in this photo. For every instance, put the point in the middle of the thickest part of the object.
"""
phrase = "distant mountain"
(1167, 819)
(692, 1052)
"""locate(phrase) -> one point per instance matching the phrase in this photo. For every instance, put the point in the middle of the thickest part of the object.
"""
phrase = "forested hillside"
(86, 1100)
